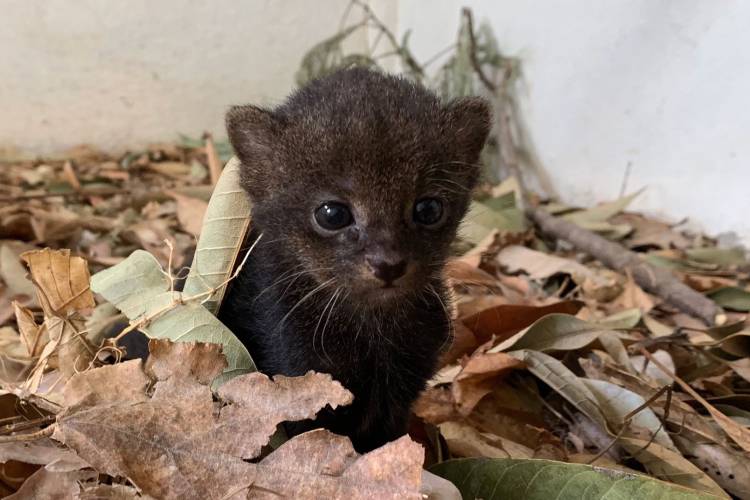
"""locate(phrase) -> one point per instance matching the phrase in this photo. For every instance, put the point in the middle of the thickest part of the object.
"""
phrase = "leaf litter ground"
(560, 369)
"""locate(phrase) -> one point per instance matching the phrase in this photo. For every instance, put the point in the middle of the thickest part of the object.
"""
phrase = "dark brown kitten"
(359, 181)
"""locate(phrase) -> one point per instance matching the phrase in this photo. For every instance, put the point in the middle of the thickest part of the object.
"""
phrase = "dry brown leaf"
(705, 283)
(319, 464)
(468, 305)
(12, 271)
(466, 441)
(164, 461)
(739, 434)
(464, 341)
(436, 405)
(741, 367)
(150, 235)
(633, 297)
(47, 485)
(267, 402)
(173, 169)
(62, 281)
(111, 492)
(729, 468)
(42, 452)
(192, 447)
(465, 273)
(489, 417)
(602, 284)
(505, 320)
(190, 212)
(62, 289)
(194, 360)
(120, 383)
(650, 232)
(14, 363)
(31, 333)
(478, 377)
(682, 417)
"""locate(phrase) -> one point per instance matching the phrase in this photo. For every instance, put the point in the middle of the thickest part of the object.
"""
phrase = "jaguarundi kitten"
(358, 181)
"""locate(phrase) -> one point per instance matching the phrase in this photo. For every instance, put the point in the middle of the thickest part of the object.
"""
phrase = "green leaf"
(670, 465)
(502, 202)
(556, 375)
(530, 479)
(560, 332)
(678, 264)
(732, 297)
(602, 212)
(482, 220)
(616, 402)
(324, 57)
(718, 256)
(623, 320)
(659, 460)
(225, 225)
(140, 289)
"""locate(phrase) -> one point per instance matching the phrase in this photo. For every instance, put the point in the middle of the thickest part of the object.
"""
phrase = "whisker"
(303, 299)
(325, 325)
(451, 328)
(320, 318)
(298, 276)
(284, 276)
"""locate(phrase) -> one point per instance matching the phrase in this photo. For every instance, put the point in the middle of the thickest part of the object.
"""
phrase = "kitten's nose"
(385, 269)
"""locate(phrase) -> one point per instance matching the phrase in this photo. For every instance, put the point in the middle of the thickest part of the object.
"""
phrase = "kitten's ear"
(468, 122)
(253, 133)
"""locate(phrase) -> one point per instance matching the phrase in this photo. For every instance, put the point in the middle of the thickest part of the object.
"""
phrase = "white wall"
(123, 73)
(662, 85)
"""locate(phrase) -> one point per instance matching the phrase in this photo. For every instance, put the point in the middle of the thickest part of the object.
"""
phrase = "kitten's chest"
(290, 330)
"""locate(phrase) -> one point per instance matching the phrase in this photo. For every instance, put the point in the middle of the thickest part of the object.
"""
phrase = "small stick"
(739, 434)
(658, 281)
(8, 429)
(473, 51)
(47, 431)
(71, 194)
(214, 165)
(629, 418)
(70, 175)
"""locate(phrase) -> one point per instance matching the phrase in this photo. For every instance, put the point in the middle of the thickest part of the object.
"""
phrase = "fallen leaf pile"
(563, 370)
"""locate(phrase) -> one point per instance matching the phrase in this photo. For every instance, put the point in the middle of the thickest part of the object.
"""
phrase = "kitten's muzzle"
(386, 269)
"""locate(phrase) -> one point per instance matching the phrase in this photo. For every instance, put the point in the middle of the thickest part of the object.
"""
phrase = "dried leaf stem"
(629, 418)
(46, 432)
(214, 165)
(739, 434)
(28, 424)
(182, 300)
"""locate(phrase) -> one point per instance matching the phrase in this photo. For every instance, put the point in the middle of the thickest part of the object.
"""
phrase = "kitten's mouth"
(386, 292)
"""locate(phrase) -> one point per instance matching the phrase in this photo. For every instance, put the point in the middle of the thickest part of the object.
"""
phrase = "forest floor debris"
(556, 357)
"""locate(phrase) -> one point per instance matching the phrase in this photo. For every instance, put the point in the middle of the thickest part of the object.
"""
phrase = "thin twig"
(46, 432)
(19, 426)
(466, 12)
(629, 418)
(214, 165)
(407, 58)
(182, 300)
(71, 194)
(739, 434)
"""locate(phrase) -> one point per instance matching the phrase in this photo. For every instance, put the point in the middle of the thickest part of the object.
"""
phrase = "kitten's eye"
(333, 216)
(428, 211)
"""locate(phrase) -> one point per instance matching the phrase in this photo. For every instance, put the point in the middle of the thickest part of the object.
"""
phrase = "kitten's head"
(361, 178)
